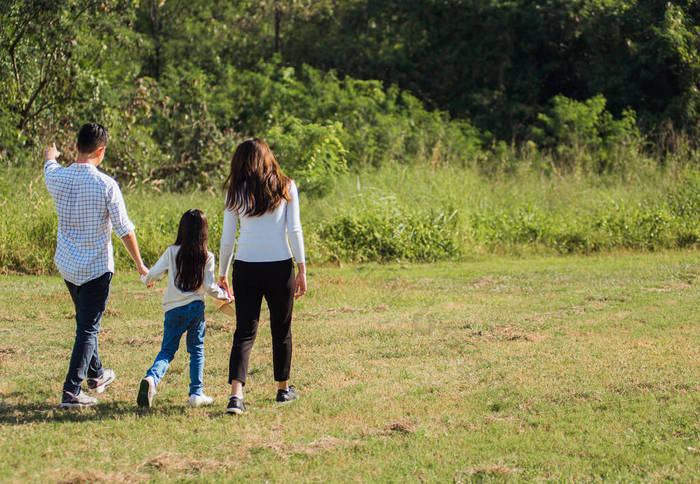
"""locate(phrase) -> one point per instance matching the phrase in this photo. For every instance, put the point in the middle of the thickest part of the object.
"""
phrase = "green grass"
(493, 368)
(397, 212)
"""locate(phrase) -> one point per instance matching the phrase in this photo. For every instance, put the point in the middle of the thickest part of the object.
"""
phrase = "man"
(89, 204)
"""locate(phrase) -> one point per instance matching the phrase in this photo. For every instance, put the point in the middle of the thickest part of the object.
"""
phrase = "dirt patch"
(9, 350)
(344, 309)
(168, 462)
(228, 327)
(657, 289)
(488, 470)
(324, 444)
(485, 282)
(97, 476)
(505, 332)
(13, 319)
(138, 342)
(284, 450)
(402, 427)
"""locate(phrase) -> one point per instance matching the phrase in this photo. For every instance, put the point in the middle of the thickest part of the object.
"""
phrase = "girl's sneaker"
(146, 392)
(235, 405)
(199, 400)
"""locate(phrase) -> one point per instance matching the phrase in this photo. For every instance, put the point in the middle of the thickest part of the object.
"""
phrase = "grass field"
(541, 368)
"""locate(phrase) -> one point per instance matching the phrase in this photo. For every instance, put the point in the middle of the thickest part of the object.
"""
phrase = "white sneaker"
(80, 400)
(100, 384)
(198, 400)
(147, 391)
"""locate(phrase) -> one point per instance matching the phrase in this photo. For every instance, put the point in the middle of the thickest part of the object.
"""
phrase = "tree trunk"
(278, 19)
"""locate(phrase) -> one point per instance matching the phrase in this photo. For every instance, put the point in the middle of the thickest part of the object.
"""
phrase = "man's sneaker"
(100, 384)
(147, 390)
(287, 395)
(80, 400)
(199, 400)
(235, 405)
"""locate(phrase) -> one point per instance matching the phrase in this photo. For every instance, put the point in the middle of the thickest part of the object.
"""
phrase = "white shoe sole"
(75, 405)
(145, 396)
(237, 411)
(200, 404)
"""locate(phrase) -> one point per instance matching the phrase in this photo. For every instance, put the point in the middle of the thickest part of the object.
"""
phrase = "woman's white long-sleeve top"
(264, 238)
(173, 296)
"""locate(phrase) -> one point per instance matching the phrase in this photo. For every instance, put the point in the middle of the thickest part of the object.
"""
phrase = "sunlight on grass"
(492, 369)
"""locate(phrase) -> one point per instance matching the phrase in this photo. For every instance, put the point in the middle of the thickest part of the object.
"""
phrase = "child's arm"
(210, 286)
(158, 269)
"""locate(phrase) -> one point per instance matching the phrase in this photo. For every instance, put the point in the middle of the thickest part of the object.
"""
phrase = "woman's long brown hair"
(256, 184)
(192, 257)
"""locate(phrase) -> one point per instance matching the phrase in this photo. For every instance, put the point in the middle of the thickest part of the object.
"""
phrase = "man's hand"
(143, 272)
(51, 153)
(141, 267)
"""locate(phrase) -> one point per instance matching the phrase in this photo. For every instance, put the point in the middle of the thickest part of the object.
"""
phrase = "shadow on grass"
(26, 413)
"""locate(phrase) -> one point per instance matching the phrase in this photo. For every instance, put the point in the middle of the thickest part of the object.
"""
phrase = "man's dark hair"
(92, 136)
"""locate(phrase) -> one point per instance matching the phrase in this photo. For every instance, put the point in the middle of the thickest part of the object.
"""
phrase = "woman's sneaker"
(235, 405)
(199, 400)
(80, 400)
(147, 390)
(287, 395)
(99, 385)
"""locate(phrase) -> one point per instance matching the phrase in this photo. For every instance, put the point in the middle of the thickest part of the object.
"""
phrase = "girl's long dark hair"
(190, 260)
(256, 184)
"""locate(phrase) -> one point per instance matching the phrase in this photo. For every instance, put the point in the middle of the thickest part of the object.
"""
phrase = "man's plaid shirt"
(88, 203)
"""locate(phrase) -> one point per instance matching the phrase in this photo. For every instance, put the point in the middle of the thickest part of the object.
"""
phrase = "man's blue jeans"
(90, 301)
(190, 319)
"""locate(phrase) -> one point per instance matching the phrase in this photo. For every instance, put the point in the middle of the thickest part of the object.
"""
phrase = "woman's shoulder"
(292, 187)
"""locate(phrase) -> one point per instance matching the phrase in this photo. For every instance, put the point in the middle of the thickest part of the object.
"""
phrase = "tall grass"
(408, 213)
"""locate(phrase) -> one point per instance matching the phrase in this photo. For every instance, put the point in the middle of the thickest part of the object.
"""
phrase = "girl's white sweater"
(173, 296)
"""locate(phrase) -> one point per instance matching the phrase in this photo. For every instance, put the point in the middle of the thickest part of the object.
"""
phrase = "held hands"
(51, 153)
(223, 284)
(143, 272)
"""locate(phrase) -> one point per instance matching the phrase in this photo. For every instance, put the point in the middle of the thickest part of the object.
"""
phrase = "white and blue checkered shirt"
(88, 203)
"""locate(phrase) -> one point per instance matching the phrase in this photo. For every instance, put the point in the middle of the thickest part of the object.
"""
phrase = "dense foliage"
(500, 62)
(179, 83)
(480, 100)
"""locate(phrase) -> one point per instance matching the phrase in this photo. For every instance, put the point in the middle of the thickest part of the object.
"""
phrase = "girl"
(266, 205)
(190, 269)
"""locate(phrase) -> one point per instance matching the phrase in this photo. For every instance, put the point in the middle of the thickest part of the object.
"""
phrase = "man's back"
(88, 203)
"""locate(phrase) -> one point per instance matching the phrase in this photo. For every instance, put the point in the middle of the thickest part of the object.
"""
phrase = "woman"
(265, 204)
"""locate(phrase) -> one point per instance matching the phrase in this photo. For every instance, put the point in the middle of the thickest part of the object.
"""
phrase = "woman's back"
(263, 238)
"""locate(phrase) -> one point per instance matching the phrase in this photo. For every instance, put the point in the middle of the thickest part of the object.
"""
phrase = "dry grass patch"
(490, 470)
(402, 427)
(95, 476)
(172, 462)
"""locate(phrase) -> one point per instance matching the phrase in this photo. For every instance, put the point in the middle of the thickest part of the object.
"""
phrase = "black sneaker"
(287, 395)
(235, 405)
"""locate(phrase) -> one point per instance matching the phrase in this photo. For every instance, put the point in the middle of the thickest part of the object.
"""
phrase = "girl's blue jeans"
(190, 319)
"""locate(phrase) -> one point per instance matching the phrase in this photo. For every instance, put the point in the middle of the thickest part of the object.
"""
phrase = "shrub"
(310, 153)
(429, 235)
(584, 133)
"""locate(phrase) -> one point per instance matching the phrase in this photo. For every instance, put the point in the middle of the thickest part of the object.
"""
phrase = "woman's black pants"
(251, 282)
